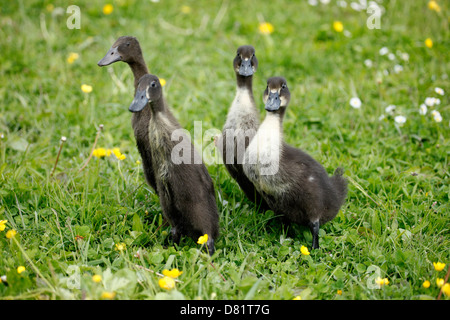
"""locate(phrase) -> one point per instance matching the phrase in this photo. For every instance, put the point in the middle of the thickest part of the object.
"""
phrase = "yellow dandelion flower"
(185, 10)
(162, 81)
(72, 57)
(3, 224)
(120, 246)
(203, 239)
(439, 282)
(86, 88)
(167, 283)
(97, 278)
(297, 298)
(429, 43)
(338, 26)
(446, 289)
(438, 266)
(20, 269)
(108, 8)
(174, 273)
(433, 5)
(99, 152)
(304, 250)
(11, 234)
(426, 284)
(266, 28)
(108, 295)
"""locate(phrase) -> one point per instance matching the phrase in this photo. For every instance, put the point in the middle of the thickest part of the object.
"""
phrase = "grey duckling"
(127, 49)
(185, 188)
(242, 123)
(294, 184)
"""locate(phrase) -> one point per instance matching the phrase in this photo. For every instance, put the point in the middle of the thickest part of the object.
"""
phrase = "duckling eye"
(153, 84)
(128, 44)
(283, 85)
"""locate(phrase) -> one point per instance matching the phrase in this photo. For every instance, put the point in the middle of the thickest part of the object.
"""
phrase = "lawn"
(371, 100)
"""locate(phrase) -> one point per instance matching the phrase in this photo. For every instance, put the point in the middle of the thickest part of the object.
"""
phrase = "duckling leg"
(175, 235)
(314, 227)
(210, 245)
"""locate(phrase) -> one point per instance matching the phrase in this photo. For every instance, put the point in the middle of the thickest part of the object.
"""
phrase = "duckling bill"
(293, 184)
(185, 190)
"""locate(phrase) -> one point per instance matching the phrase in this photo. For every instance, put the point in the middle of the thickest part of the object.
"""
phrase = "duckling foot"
(314, 227)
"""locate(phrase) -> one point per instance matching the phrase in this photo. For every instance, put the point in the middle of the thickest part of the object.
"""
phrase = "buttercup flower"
(438, 266)
(439, 282)
(203, 239)
(174, 273)
(297, 298)
(355, 102)
(382, 282)
(162, 81)
(108, 295)
(72, 57)
(97, 278)
(266, 28)
(120, 246)
(108, 9)
(167, 283)
(86, 88)
(304, 250)
(446, 289)
(3, 224)
(20, 269)
(429, 43)
(11, 234)
(338, 26)
(339, 292)
(99, 152)
(426, 284)
(433, 5)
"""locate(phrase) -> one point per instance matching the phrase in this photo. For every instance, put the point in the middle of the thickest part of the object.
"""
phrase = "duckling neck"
(139, 69)
(245, 83)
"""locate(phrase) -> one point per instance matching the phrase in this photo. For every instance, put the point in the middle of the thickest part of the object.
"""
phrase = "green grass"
(396, 217)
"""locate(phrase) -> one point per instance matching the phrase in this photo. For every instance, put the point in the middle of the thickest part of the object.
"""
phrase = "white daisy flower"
(398, 68)
(439, 91)
(436, 116)
(391, 56)
(400, 119)
(423, 109)
(368, 63)
(355, 102)
(381, 117)
(430, 101)
(405, 56)
(342, 4)
(390, 109)
(313, 2)
(383, 51)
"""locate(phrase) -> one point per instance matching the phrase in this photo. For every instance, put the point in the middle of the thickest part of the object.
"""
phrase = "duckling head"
(277, 95)
(245, 62)
(149, 90)
(125, 49)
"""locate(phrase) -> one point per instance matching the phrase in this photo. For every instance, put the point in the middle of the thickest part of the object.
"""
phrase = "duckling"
(185, 189)
(294, 184)
(128, 49)
(242, 123)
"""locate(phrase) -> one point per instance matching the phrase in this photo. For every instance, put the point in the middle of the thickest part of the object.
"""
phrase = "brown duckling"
(127, 49)
(185, 188)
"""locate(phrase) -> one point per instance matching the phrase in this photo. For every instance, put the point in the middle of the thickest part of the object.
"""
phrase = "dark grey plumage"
(185, 188)
(127, 49)
(297, 187)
